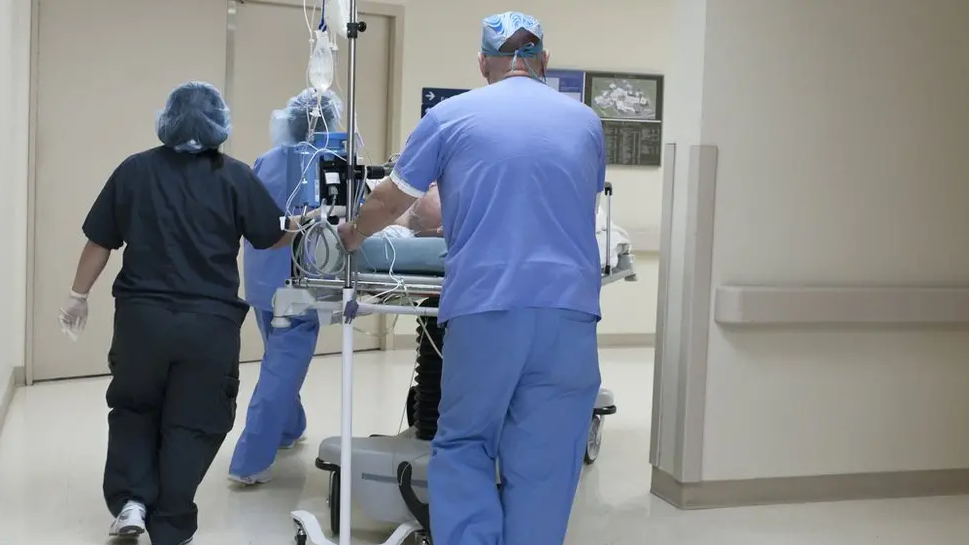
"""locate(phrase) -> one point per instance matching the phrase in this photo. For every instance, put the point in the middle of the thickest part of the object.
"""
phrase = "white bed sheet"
(618, 239)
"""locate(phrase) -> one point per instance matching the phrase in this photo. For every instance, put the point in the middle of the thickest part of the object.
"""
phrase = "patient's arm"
(423, 218)
(403, 220)
(426, 212)
(385, 203)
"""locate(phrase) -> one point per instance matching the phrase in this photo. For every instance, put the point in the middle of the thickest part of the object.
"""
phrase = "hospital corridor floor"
(53, 446)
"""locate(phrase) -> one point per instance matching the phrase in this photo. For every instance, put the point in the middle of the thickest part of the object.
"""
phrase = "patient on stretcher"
(423, 219)
(414, 244)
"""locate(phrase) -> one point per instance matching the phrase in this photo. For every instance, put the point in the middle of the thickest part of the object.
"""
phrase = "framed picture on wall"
(631, 109)
(625, 97)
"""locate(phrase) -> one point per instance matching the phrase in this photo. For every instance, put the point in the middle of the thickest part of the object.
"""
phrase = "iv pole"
(346, 376)
(308, 527)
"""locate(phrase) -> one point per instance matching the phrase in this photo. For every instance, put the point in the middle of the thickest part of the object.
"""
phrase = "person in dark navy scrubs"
(179, 211)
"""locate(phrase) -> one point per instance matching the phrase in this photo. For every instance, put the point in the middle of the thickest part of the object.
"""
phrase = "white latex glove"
(74, 315)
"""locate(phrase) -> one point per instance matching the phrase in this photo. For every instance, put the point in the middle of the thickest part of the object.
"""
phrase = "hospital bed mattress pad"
(420, 256)
(425, 256)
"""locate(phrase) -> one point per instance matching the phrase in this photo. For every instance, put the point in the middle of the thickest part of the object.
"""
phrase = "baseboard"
(6, 397)
(821, 488)
(606, 340)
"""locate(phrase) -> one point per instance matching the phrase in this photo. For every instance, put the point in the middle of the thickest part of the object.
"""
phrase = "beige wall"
(442, 39)
(842, 162)
(14, 102)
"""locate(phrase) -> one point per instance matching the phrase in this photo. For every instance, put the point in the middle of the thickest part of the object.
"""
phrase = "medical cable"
(401, 285)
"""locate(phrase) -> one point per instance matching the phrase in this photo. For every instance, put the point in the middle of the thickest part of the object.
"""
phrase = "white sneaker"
(293, 444)
(131, 521)
(262, 477)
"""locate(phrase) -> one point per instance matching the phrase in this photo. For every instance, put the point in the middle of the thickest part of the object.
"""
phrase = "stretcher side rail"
(322, 295)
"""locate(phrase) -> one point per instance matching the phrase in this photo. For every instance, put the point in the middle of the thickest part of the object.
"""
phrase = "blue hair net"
(497, 29)
(303, 115)
(195, 119)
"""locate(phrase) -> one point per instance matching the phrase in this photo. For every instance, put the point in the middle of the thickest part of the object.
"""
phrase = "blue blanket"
(418, 256)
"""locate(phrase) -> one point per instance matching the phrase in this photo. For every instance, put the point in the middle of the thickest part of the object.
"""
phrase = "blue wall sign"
(570, 82)
(432, 96)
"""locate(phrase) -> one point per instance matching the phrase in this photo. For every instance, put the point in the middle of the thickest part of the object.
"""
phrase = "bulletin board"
(631, 109)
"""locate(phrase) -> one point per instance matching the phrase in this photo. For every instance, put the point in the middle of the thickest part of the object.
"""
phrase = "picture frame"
(625, 97)
(631, 109)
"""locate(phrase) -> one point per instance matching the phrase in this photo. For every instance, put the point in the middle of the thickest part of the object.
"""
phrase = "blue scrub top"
(266, 270)
(519, 166)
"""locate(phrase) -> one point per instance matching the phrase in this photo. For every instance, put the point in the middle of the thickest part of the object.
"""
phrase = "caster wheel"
(300, 536)
(411, 406)
(333, 499)
(595, 440)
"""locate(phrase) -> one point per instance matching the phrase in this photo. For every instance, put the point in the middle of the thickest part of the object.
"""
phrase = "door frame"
(395, 12)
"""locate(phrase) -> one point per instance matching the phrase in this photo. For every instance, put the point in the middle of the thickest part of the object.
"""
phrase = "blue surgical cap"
(497, 29)
(195, 119)
(303, 115)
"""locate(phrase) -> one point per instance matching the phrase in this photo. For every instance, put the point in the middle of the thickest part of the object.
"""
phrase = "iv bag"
(320, 69)
(336, 13)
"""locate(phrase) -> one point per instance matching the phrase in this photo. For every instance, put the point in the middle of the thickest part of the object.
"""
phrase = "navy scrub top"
(180, 218)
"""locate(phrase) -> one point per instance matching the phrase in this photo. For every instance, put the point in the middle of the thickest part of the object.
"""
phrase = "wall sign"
(570, 82)
(432, 96)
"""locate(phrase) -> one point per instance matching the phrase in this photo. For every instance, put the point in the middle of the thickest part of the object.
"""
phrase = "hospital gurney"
(389, 473)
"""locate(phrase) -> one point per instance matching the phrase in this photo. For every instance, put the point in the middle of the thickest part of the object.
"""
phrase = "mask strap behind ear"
(527, 51)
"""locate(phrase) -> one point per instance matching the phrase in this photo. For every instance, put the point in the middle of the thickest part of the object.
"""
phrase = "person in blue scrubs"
(519, 168)
(276, 418)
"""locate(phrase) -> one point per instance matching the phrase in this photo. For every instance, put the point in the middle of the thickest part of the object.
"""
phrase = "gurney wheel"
(333, 499)
(300, 535)
(411, 406)
(594, 441)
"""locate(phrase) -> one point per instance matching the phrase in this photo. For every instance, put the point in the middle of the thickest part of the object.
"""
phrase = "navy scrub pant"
(172, 400)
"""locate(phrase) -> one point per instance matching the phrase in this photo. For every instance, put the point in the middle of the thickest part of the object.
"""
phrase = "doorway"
(270, 67)
(104, 69)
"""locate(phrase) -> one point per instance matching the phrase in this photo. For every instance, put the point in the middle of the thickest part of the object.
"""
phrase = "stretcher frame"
(300, 296)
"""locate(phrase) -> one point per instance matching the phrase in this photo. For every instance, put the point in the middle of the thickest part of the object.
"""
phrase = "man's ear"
(483, 65)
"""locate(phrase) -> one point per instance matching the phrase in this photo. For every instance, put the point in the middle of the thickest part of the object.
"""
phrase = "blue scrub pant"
(518, 386)
(276, 417)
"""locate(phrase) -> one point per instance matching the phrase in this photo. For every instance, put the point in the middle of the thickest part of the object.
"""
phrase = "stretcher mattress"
(425, 256)
(420, 256)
